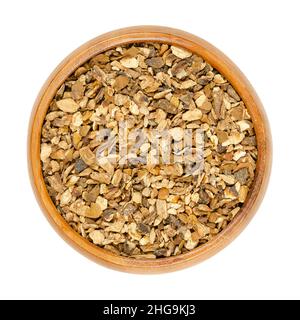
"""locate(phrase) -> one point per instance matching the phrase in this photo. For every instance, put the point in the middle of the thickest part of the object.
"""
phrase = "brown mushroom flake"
(121, 82)
(78, 90)
(87, 155)
(166, 106)
(67, 105)
(155, 62)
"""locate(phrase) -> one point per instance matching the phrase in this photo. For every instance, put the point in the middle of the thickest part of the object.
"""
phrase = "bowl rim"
(142, 34)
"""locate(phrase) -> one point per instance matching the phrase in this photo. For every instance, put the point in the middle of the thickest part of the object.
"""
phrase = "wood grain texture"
(220, 62)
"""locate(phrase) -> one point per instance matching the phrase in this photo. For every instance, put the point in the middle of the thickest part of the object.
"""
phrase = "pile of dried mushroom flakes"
(140, 210)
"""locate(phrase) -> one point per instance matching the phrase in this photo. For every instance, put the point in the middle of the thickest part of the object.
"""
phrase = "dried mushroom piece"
(67, 105)
(154, 196)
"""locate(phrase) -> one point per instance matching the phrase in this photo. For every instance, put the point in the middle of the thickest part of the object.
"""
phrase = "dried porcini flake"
(140, 201)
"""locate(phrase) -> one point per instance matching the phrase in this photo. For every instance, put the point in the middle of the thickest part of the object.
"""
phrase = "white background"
(262, 38)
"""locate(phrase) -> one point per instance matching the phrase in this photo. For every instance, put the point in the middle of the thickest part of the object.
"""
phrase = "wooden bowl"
(221, 63)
